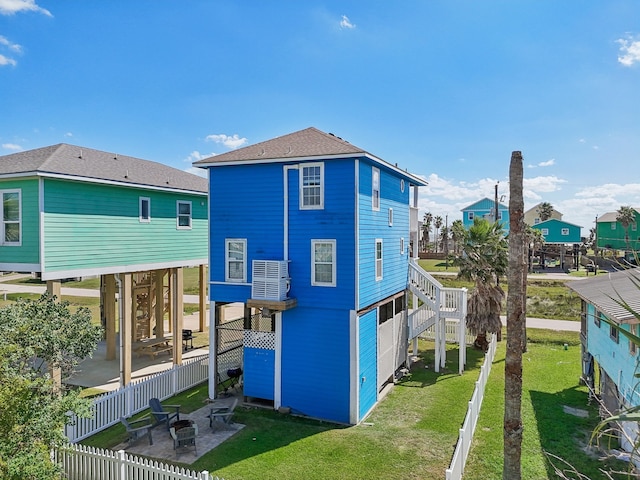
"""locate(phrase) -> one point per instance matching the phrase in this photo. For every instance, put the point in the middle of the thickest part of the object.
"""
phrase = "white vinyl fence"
(456, 468)
(133, 398)
(82, 462)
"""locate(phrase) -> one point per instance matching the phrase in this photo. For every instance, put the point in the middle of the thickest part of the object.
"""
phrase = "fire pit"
(177, 425)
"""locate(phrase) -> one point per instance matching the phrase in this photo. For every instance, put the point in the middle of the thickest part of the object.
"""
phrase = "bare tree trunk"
(515, 318)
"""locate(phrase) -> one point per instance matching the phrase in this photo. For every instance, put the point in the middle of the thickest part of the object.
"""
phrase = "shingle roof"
(304, 144)
(603, 290)
(82, 162)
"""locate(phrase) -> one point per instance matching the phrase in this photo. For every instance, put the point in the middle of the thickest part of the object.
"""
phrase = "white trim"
(77, 178)
(20, 267)
(2, 220)
(375, 199)
(401, 245)
(142, 219)
(356, 233)
(390, 215)
(564, 231)
(301, 187)
(277, 374)
(178, 214)
(375, 257)
(354, 367)
(243, 242)
(143, 267)
(41, 219)
(334, 262)
(218, 282)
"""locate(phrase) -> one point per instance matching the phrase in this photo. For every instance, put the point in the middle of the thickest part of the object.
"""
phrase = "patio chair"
(137, 428)
(161, 415)
(185, 437)
(222, 414)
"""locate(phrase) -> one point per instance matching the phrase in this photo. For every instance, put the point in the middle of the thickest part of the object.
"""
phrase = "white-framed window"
(375, 188)
(235, 260)
(323, 263)
(564, 231)
(11, 217)
(536, 221)
(183, 210)
(378, 253)
(470, 215)
(634, 227)
(145, 210)
(402, 246)
(402, 185)
(391, 217)
(613, 225)
(633, 348)
(544, 231)
(312, 186)
(613, 333)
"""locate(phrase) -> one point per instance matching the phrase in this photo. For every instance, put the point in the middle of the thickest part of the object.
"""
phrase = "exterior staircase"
(433, 305)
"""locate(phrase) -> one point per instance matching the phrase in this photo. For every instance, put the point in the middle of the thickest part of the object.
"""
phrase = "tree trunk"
(515, 318)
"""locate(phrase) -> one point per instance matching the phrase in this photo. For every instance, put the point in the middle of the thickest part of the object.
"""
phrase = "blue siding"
(258, 374)
(368, 367)
(374, 225)
(316, 362)
(484, 209)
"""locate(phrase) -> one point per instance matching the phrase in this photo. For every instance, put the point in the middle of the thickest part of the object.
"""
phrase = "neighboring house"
(532, 216)
(564, 237)
(72, 211)
(611, 234)
(314, 236)
(605, 350)
(485, 208)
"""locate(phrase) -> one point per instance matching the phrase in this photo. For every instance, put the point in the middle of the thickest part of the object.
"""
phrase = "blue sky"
(446, 89)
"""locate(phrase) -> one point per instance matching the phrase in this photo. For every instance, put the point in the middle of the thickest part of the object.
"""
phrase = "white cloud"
(68, 134)
(201, 172)
(11, 146)
(233, 141)
(196, 155)
(545, 184)
(12, 46)
(346, 23)
(630, 51)
(548, 163)
(582, 140)
(9, 7)
(7, 61)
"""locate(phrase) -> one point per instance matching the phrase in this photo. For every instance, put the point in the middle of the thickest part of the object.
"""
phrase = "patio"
(207, 439)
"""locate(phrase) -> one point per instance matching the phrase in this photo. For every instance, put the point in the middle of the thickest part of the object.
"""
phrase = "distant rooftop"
(87, 163)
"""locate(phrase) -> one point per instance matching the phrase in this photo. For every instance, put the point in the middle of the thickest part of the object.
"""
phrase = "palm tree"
(437, 223)
(426, 228)
(626, 216)
(457, 235)
(545, 211)
(483, 261)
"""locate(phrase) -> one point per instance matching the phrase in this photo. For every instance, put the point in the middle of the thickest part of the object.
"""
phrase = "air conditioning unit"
(270, 280)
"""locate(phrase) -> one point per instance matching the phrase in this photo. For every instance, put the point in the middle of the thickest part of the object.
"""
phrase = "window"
(499, 214)
(596, 319)
(184, 215)
(235, 266)
(613, 225)
(402, 185)
(145, 210)
(378, 259)
(391, 217)
(312, 186)
(536, 221)
(375, 188)
(544, 231)
(633, 348)
(11, 223)
(323, 263)
(470, 215)
(634, 227)
(402, 246)
(613, 333)
(565, 231)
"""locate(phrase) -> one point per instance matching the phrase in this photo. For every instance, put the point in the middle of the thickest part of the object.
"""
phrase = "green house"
(72, 211)
(611, 234)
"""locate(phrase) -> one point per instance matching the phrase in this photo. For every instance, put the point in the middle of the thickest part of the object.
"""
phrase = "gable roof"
(553, 220)
(602, 291)
(484, 204)
(611, 216)
(81, 163)
(304, 145)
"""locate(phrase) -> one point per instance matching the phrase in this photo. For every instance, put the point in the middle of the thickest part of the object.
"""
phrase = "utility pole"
(446, 243)
(495, 213)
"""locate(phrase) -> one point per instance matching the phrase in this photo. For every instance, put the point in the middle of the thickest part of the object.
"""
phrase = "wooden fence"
(461, 452)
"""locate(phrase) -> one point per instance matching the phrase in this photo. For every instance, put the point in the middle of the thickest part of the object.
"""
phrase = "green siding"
(609, 237)
(94, 226)
(29, 251)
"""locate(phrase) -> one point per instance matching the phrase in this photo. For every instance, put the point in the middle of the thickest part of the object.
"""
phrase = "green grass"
(433, 265)
(550, 380)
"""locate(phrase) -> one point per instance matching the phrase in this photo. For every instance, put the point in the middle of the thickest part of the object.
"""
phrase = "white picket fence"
(461, 452)
(451, 333)
(133, 398)
(82, 462)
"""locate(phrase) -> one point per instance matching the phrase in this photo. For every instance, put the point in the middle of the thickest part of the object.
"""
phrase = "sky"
(447, 89)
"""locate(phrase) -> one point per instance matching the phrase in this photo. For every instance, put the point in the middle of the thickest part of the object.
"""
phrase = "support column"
(177, 292)
(126, 327)
(159, 308)
(53, 289)
(214, 317)
(203, 296)
(109, 312)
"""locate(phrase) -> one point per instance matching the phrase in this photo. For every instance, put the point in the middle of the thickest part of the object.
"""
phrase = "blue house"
(485, 208)
(605, 348)
(314, 236)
